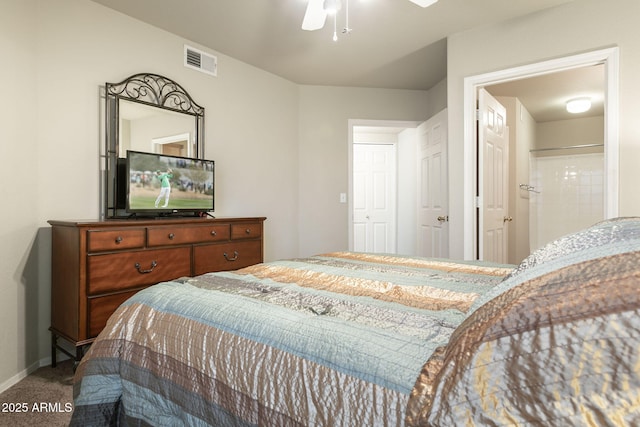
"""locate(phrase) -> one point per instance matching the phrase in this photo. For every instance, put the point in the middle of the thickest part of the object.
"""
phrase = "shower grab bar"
(528, 187)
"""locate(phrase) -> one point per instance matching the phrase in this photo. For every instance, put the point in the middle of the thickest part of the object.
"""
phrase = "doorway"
(174, 145)
(374, 197)
(556, 157)
(384, 133)
(609, 59)
(420, 188)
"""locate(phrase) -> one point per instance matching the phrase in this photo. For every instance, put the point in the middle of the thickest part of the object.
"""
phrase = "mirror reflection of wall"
(151, 129)
(174, 145)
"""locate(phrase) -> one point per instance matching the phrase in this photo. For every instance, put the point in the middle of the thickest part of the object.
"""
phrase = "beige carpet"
(44, 398)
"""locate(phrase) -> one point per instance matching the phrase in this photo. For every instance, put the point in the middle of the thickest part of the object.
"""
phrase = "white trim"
(23, 374)
(351, 123)
(610, 58)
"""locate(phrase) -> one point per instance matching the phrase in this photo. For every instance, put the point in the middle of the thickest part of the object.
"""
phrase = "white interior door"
(374, 208)
(493, 143)
(433, 219)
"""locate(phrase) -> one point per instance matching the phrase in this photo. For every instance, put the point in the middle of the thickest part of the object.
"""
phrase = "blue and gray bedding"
(330, 340)
(339, 339)
(557, 343)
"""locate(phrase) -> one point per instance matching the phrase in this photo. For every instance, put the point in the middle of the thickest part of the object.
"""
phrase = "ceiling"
(545, 96)
(394, 43)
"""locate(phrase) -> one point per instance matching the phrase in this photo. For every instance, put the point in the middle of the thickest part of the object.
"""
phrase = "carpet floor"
(44, 398)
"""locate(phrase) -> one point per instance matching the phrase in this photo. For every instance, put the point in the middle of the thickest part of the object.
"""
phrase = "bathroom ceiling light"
(578, 105)
(424, 3)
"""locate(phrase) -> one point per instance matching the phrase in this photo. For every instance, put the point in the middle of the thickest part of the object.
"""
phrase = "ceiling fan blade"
(315, 15)
(423, 3)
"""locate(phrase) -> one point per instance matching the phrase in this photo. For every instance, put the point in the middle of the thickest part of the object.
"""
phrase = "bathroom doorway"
(608, 59)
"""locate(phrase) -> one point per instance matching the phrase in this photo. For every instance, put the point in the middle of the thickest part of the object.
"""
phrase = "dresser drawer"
(97, 265)
(228, 256)
(101, 308)
(117, 271)
(246, 231)
(170, 235)
(111, 240)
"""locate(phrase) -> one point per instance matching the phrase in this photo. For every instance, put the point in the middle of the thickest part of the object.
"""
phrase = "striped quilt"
(557, 343)
(331, 340)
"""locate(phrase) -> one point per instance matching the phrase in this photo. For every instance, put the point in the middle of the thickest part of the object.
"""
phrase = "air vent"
(201, 61)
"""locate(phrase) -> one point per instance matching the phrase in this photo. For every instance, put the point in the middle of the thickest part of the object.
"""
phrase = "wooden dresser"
(96, 266)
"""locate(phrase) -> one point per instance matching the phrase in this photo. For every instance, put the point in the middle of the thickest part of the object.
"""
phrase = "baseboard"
(19, 377)
(29, 370)
(45, 361)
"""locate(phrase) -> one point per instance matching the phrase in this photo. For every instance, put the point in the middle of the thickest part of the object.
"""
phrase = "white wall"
(526, 136)
(407, 191)
(575, 27)
(522, 131)
(280, 149)
(20, 187)
(138, 134)
(56, 55)
(276, 156)
(437, 98)
(323, 154)
(248, 126)
(563, 133)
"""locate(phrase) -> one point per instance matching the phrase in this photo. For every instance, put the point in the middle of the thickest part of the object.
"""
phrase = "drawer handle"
(213, 233)
(235, 256)
(118, 240)
(248, 231)
(171, 236)
(153, 265)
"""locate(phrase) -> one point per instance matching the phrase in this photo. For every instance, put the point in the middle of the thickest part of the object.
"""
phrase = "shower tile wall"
(570, 198)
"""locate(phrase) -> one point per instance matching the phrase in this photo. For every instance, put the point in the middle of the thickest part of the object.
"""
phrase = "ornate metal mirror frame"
(153, 91)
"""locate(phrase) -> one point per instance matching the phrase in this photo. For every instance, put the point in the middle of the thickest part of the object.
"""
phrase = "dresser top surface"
(152, 221)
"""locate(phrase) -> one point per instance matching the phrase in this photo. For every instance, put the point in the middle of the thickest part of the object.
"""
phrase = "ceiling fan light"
(424, 3)
(315, 16)
(578, 105)
(331, 7)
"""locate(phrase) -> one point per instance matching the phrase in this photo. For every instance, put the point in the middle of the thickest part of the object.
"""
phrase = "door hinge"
(478, 201)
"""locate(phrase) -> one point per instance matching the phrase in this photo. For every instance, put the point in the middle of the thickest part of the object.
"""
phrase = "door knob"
(507, 219)
(443, 218)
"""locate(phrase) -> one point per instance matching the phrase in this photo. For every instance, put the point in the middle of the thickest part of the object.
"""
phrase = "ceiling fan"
(317, 11)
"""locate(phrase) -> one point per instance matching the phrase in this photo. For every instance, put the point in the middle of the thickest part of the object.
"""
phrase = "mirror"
(149, 113)
(149, 129)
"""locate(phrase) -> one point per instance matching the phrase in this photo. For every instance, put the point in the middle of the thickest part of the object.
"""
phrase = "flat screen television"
(164, 185)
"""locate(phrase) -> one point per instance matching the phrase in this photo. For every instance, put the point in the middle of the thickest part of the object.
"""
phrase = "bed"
(352, 339)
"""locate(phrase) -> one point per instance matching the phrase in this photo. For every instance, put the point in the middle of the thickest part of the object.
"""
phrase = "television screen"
(168, 184)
